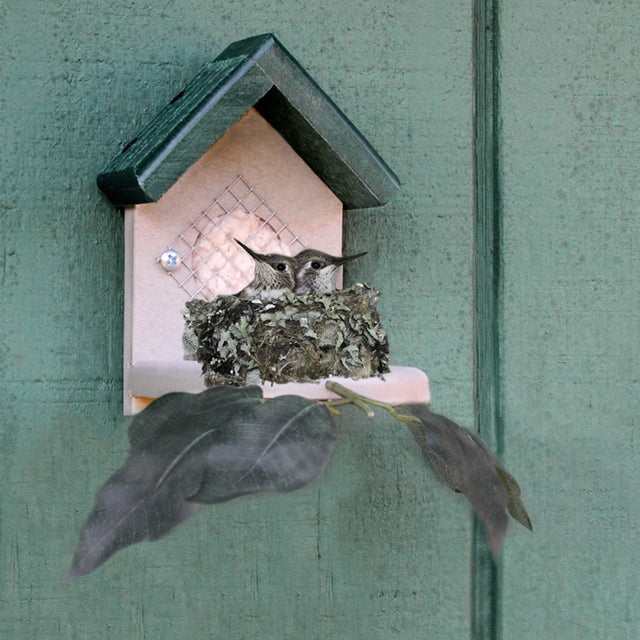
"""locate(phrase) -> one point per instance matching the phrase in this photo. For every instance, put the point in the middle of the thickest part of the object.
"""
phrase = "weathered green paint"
(486, 578)
(254, 72)
(179, 134)
(376, 548)
(570, 112)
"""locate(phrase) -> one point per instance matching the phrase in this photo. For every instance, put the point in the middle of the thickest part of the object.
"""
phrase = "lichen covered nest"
(294, 338)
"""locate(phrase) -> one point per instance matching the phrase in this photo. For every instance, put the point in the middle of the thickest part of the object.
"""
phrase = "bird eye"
(315, 265)
(281, 266)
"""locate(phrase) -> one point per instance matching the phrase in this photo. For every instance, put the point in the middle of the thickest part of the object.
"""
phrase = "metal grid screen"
(205, 260)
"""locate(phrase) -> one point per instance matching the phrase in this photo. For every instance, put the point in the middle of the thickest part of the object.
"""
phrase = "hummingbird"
(316, 271)
(273, 275)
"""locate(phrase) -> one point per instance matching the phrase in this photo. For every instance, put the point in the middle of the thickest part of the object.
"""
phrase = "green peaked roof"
(257, 72)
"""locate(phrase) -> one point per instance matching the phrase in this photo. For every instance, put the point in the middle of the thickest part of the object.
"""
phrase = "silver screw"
(170, 260)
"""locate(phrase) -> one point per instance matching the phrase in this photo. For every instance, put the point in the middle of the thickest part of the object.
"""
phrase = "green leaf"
(278, 446)
(515, 505)
(188, 449)
(467, 466)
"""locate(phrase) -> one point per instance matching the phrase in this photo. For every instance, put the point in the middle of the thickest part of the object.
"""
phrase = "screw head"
(170, 260)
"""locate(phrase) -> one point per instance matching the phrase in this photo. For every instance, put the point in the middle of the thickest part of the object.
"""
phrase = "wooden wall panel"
(377, 548)
(570, 114)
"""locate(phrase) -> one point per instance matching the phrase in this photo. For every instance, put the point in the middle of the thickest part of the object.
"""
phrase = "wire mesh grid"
(210, 261)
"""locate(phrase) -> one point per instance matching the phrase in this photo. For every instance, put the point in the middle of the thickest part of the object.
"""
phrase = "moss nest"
(293, 338)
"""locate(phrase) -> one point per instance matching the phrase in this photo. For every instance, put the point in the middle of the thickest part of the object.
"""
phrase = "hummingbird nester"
(273, 275)
(317, 272)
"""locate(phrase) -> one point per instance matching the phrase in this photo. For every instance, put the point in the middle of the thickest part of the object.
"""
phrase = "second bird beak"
(340, 261)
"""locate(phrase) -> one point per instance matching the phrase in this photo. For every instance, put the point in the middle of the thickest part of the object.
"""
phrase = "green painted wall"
(570, 107)
(376, 548)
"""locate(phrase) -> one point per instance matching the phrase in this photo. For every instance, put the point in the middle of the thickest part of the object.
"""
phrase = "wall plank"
(377, 548)
(571, 133)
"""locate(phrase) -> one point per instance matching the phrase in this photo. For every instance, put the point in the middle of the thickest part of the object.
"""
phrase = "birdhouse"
(251, 149)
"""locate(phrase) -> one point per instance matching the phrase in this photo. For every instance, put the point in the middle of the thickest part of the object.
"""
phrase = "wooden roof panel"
(256, 72)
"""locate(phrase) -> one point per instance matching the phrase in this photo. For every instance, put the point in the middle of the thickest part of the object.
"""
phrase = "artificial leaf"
(515, 505)
(290, 448)
(467, 466)
(188, 449)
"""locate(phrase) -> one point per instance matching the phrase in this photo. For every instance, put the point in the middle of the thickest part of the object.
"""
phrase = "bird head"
(272, 271)
(316, 271)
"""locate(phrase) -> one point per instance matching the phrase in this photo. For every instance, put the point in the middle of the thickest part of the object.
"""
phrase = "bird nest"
(293, 338)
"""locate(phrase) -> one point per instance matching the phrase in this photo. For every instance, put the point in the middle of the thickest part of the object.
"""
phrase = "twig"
(351, 397)
(255, 360)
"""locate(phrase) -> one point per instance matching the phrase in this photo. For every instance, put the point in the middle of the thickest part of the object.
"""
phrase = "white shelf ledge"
(146, 381)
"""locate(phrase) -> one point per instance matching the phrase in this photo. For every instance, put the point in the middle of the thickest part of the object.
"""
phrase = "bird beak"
(251, 252)
(341, 261)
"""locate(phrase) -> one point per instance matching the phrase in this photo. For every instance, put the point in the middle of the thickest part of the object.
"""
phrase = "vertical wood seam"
(486, 575)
